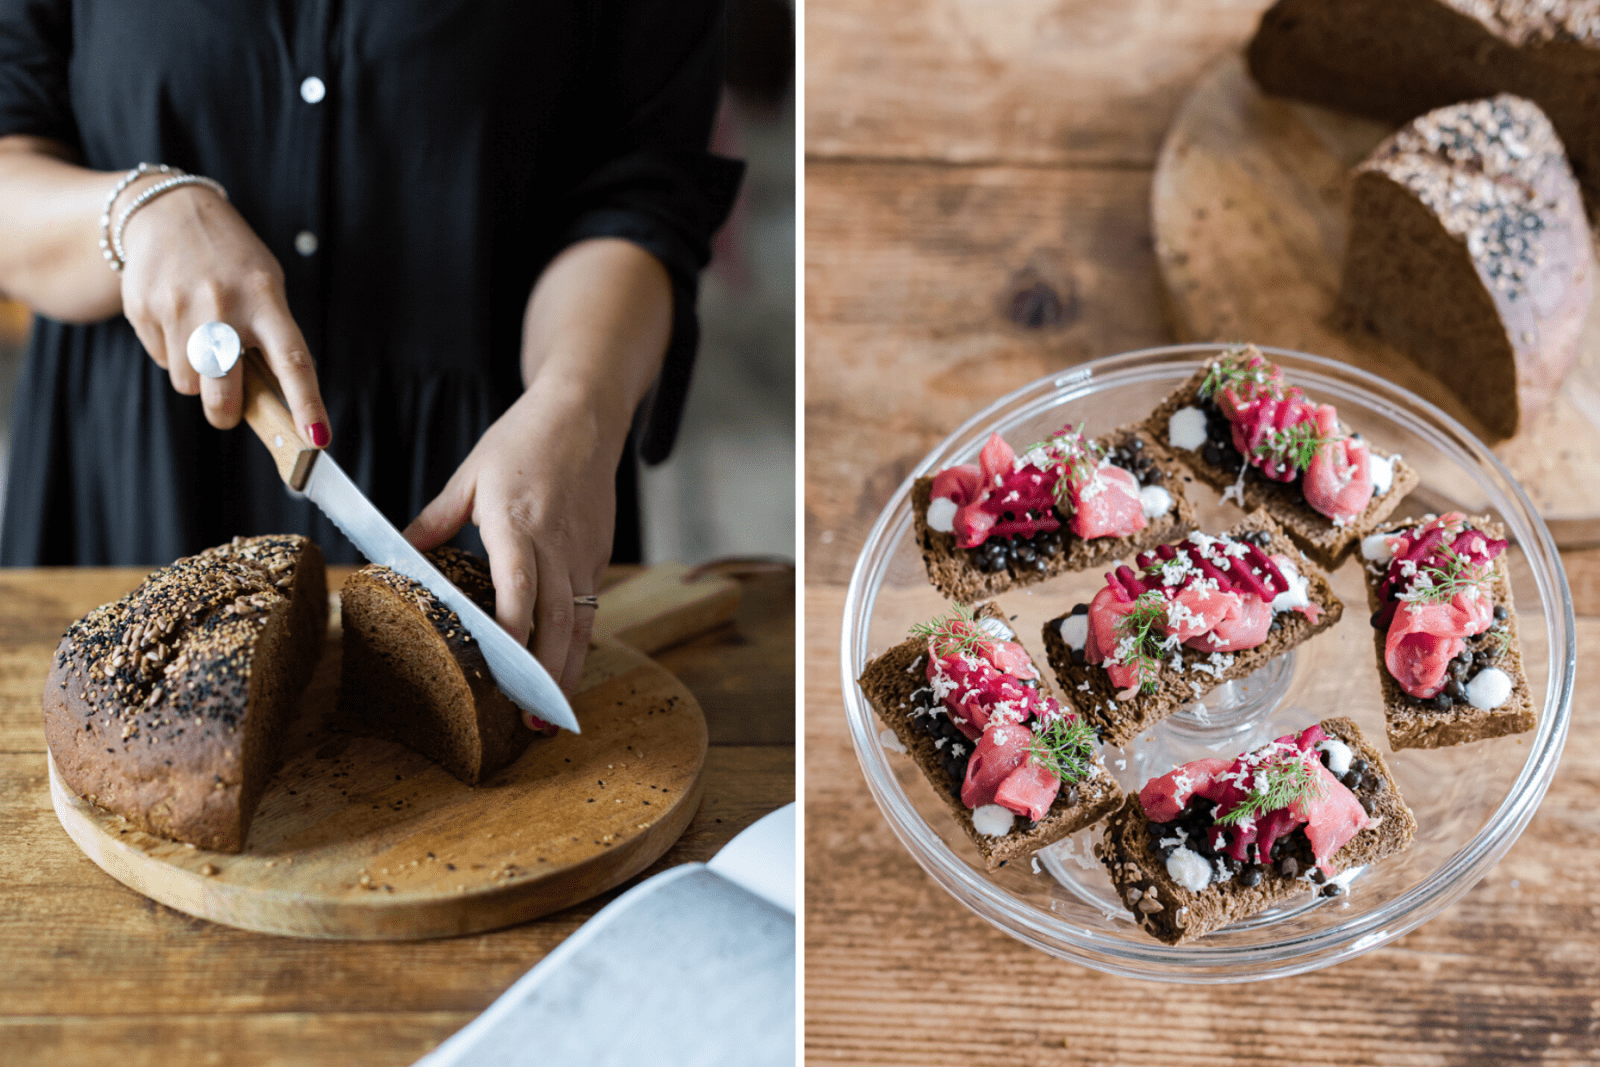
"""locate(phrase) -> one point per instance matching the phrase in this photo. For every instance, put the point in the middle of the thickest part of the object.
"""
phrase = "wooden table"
(978, 181)
(92, 973)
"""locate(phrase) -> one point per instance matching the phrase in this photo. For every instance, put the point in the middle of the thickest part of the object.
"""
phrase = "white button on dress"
(305, 242)
(312, 90)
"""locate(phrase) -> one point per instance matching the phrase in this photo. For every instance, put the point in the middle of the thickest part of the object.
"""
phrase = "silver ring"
(213, 349)
(587, 601)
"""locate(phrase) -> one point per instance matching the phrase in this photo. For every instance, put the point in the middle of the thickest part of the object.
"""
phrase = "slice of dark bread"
(412, 672)
(891, 683)
(1120, 721)
(1414, 723)
(955, 571)
(1314, 532)
(1395, 59)
(1174, 914)
(1469, 250)
(167, 707)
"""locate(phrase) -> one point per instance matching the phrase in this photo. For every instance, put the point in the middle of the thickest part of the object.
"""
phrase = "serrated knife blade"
(520, 677)
(314, 474)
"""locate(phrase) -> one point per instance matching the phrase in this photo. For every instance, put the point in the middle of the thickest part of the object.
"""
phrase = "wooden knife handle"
(269, 417)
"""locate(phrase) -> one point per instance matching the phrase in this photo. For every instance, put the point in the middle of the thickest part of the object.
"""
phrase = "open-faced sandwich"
(1448, 657)
(1064, 504)
(1182, 620)
(1241, 428)
(1017, 768)
(1217, 840)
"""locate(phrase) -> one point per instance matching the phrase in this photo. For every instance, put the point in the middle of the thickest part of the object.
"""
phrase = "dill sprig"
(946, 639)
(1287, 780)
(1137, 643)
(1297, 445)
(1501, 640)
(1234, 369)
(1078, 458)
(1065, 748)
(1439, 583)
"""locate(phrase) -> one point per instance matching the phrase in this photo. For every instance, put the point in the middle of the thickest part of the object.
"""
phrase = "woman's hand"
(540, 484)
(191, 259)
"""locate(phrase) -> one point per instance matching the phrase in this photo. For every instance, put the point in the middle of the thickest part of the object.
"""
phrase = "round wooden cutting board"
(364, 839)
(1250, 209)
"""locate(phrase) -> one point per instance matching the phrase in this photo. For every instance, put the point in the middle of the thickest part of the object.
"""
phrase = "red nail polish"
(319, 434)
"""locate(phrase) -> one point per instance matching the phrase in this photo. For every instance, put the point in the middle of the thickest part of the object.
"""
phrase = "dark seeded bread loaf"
(413, 674)
(1395, 59)
(954, 572)
(1120, 721)
(1314, 532)
(889, 682)
(166, 707)
(1173, 914)
(1469, 251)
(1414, 723)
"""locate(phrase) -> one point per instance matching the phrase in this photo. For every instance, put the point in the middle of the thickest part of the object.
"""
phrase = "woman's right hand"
(192, 259)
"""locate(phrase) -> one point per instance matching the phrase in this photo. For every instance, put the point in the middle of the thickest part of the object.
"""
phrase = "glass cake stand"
(1471, 801)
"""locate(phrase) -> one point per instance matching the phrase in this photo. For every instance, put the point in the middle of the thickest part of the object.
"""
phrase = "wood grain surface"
(952, 146)
(93, 973)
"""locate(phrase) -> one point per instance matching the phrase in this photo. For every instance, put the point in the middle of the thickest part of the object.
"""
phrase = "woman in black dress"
(465, 235)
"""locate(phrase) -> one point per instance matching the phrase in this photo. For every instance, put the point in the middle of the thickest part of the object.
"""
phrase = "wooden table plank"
(1506, 975)
(92, 972)
(919, 285)
(1037, 82)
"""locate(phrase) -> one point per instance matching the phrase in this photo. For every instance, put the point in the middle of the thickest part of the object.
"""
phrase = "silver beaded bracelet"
(111, 242)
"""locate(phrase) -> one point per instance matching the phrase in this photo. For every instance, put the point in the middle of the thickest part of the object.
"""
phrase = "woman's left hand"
(540, 486)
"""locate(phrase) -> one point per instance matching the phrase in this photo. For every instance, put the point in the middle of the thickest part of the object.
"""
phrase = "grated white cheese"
(1382, 470)
(888, 740)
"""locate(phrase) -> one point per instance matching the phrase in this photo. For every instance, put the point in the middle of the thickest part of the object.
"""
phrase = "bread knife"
(314, 474)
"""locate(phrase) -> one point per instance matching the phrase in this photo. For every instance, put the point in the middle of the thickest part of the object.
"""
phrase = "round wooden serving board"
(364, 839)
(1250, 210)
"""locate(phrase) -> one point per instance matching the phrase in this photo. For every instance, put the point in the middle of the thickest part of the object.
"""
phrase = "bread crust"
(166, 706)
(412, 673)
(1139, 872)
(1314, 532)
(889, 682)
(953, 572)
(1120, 721)
(1412, 723)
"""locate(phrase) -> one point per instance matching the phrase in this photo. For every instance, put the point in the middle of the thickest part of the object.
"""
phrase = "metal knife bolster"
(520, 677)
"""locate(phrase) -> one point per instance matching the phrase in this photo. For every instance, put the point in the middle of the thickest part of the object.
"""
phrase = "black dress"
(413, 165)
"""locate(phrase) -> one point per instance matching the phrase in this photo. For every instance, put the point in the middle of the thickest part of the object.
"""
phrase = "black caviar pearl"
(1251, 876)
(1288, 868)
(1500, 612)
(1366, 802)
(1332, 889)
(1442, 702)
(1079, 609)
(1317, 876)
(1079, 657)
(1455, 691)
(1377, 619)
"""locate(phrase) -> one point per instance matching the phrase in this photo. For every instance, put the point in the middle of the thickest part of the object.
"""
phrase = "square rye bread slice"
(891, 683)
(1174, 914)
(1120, 721)
(955, 571)
(1314, 532)
(1414, 723)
